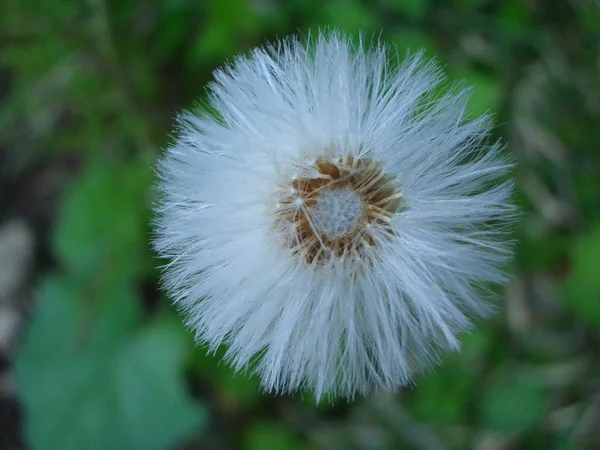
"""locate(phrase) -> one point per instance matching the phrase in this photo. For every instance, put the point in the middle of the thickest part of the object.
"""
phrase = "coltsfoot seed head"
(338, 211)
(337, 222)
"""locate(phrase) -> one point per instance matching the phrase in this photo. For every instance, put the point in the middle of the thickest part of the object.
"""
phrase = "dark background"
(92, 356)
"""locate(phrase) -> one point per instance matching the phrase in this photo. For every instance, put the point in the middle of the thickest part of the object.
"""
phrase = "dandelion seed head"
(336, 222)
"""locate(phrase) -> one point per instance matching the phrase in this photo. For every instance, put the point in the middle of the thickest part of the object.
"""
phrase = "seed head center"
(337, 212)
(342, 210)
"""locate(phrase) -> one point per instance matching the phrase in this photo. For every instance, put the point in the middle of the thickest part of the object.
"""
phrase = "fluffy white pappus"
(335, 220)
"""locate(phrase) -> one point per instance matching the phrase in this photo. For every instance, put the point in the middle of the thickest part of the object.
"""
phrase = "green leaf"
(413, 41)
(582, 287)
(271, 436)
(238, 387)
(514, 405)
(91, 378)
(515, 18)
(351, 16)
(227, 24)
(101, 230)
(539, 251)
(413, 9)
(155, 398)
(442, 396)
(485, 94)
(471, 3)
(243, 388)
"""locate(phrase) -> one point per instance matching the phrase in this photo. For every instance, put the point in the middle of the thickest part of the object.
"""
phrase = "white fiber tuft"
(337, 223)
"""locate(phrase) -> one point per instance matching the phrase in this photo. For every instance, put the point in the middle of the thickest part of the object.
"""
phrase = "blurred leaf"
(515, 19)
(102, 226)
(582, 288)
(226, 23)
(155, 398)
(443, 395)
(309, 400)
(91, 379)
(566, 444)
(176, 20)
(351, 16)
(244, 388)
(272, 436)
(471, 3)
(539, 251)
(485, 94)
(412, 40)
(240, 388)
(413, 9)
(513, 406)
(476, 343)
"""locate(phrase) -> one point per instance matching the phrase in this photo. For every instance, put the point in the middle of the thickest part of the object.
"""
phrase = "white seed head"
(337, 223)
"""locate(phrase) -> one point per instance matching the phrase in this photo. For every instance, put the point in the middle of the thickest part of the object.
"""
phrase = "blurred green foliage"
(106, 365)
(92, 377)
(582, 287)
(514, 405)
